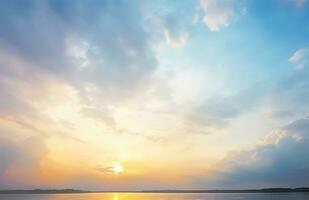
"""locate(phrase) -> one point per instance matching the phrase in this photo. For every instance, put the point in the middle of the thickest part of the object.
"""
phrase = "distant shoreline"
(72, 191)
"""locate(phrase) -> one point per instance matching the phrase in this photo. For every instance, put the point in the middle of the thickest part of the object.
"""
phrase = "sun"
(117, 168)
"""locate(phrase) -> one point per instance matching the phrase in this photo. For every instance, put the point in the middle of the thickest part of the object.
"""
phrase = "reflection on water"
(116, 197)
(148, 196)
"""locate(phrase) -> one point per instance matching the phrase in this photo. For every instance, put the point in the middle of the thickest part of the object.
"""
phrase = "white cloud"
(218, 14)
(300, 58)
(176, 42)
(78, 52)
(174, 32)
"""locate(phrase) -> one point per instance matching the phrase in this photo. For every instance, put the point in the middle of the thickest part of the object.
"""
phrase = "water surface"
(157, 196)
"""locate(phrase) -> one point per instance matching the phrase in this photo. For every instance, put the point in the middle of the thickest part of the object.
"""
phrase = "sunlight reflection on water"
(149, 196)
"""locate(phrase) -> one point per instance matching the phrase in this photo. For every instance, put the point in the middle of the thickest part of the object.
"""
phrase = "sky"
(165, 94)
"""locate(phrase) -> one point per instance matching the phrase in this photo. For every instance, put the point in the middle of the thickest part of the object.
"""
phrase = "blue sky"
(154, 94)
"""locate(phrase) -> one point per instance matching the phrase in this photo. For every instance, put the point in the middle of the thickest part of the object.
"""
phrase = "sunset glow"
(141, 94)
(117, 168)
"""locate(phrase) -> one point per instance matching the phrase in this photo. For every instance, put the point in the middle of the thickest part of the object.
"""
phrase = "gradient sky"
(205, 94)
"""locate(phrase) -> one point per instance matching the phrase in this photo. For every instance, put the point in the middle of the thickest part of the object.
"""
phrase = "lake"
(158, 196)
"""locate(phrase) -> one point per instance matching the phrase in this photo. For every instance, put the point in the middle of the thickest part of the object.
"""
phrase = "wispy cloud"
(87, 82)
(300, 58)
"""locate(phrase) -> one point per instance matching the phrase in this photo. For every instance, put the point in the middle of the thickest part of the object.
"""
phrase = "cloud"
(98, 51)
(20, 161)
(300, 58)
(85, 69)
(292, 90)
(211, 115)
(102, 51)
(105, 169)
(61, 63)
(62, 38)
(217, 111)
(102, 117)
(218, 14)
(279, 160)
(24, 102)
(7, 155)
(174, 33)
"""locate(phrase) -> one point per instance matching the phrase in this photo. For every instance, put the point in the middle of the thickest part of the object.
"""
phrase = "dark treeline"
(40, 191)
(265, 190)
(64, 191)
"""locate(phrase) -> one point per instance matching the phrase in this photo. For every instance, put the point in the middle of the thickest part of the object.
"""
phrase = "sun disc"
(117, 168)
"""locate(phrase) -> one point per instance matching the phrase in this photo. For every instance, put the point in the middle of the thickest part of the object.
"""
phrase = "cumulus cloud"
(300, 58)
(218, 14)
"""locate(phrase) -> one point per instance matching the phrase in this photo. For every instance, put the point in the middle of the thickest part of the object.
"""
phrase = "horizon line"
(72, 191)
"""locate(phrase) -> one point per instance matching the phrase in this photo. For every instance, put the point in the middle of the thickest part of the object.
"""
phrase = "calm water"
(136, 196)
